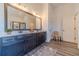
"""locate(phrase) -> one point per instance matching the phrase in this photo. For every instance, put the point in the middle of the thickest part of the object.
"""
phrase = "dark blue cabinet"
(13, 49)
(40, 38)
(0, 45)
(20, 44)
(30, 42)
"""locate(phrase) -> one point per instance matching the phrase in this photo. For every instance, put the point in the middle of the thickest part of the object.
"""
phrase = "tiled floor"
(43, 50)
(55, 48)
(64, 48)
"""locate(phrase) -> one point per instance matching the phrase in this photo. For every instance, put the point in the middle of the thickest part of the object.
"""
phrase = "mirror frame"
(6, 17)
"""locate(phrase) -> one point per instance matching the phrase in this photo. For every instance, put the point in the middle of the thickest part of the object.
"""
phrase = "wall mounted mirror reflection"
(27, 20)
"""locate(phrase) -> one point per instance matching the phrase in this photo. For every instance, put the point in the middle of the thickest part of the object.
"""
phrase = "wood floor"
(64, 48)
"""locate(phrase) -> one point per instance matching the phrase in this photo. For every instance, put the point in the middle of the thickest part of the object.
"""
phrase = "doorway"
(76, 31)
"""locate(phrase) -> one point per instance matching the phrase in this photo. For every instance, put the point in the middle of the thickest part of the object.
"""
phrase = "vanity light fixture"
(37, 15)
(33, 13)
(18, 5)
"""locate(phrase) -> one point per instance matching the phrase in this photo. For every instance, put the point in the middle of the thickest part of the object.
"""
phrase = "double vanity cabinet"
(20, 44)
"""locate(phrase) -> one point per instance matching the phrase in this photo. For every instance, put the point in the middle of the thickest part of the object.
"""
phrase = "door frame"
(77, 30)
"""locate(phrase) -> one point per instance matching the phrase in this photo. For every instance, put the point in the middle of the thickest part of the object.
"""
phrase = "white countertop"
(17, 33)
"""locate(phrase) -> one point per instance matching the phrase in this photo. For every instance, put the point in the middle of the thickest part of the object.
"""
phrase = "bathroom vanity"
(21, 44)
(20, 21)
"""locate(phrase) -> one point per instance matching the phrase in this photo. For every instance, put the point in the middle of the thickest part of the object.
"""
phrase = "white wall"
(1, 18)
(65, 13)
(51, 27)
(45, 20)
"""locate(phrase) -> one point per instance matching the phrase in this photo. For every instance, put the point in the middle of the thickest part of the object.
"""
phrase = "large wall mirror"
(17, 19)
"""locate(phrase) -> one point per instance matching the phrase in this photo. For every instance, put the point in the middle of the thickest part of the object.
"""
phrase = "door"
(77, 28)
(68, 26)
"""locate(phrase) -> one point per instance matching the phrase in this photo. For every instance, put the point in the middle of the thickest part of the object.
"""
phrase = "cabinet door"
(34, 40)
(20, 50)
(38, 36)
(13, 50)
(0, 51)
(44, 36)
(30, 42)
(41, 37)
(28, 45)
(0, 46)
